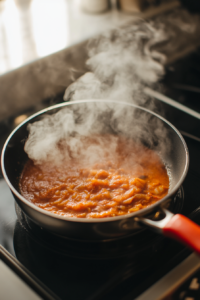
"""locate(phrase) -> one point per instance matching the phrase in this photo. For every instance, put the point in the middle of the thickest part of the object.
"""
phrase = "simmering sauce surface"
(134, 178)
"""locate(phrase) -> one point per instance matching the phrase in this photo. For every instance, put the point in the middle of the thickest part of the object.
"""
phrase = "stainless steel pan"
(125, 121)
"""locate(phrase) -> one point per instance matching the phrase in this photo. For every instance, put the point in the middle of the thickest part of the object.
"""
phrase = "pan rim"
(143, 211)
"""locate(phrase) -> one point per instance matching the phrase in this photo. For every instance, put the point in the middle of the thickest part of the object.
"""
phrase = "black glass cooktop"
(120, 269)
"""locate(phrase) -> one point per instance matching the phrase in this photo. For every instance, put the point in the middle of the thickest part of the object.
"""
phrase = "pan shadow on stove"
(83, 270)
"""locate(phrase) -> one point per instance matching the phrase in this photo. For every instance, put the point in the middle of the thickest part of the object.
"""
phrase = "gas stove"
(117, 269)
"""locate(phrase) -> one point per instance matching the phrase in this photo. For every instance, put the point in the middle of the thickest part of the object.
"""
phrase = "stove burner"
(135, 245)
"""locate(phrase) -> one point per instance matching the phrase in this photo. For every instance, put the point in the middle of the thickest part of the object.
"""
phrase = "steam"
(61, 136)
(91, 132)
(121, 62)
(126, 59)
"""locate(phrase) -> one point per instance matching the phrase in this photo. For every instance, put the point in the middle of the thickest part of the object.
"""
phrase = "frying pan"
(116, 118)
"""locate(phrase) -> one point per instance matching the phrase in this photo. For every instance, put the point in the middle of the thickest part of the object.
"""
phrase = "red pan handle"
(184, 230)
(177, 227)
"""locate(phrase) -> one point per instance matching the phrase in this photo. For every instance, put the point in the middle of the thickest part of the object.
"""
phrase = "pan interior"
(113, 118)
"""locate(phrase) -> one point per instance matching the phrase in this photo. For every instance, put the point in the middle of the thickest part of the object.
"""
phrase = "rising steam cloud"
(92, 132)
(124, 60)
(121, 62)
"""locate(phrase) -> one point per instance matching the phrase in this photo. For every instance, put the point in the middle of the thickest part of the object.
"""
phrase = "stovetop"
(119, 269)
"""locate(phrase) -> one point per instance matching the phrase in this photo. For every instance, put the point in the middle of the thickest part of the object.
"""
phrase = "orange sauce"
(132, 180)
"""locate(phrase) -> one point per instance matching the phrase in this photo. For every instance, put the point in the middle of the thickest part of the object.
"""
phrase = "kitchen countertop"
(32, 29)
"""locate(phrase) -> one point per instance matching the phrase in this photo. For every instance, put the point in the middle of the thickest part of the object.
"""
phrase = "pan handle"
(177, 227)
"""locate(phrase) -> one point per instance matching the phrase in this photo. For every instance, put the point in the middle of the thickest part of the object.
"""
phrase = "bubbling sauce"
(124, 182)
